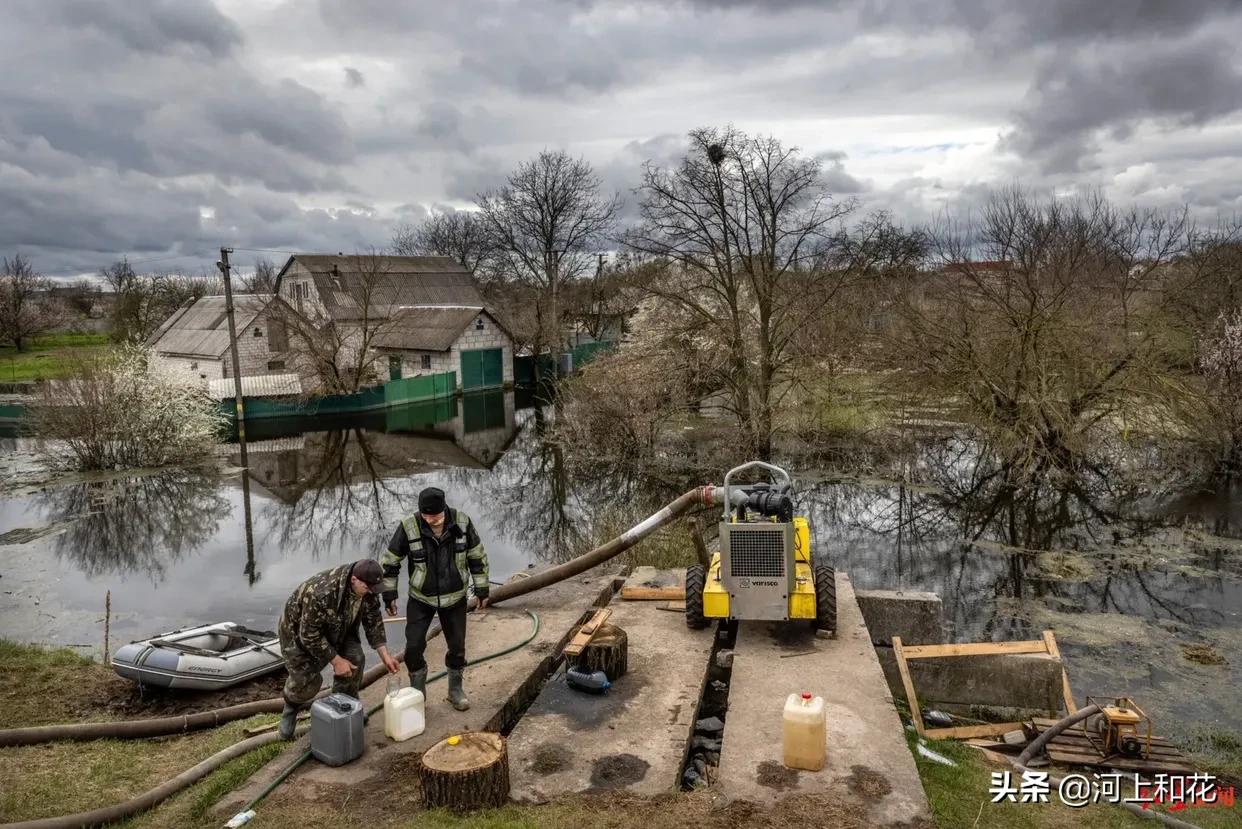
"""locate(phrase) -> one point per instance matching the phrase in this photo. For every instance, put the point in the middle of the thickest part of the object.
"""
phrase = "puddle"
(867, 783)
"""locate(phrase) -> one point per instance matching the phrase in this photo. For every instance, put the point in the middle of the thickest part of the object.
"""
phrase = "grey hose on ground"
(1036, 748)
(702, 496)
(146, 800)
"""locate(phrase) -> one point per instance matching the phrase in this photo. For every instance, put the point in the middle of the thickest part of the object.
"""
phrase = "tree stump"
(607, 651)
(473, 774)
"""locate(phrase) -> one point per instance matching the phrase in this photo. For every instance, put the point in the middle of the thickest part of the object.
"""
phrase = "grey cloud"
(354, 78)
(1075, 97)
(150, 26)
(835, 178)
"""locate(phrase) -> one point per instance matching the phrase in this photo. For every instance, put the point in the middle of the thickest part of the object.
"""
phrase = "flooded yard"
(1144, 593)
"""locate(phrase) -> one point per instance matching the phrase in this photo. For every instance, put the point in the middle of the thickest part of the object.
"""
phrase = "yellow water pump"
(765, 569)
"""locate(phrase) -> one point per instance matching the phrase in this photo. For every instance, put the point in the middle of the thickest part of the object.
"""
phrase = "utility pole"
(223, 265)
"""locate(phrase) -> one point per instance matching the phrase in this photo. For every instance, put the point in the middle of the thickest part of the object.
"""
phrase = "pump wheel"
(696, 578)
(825, 598)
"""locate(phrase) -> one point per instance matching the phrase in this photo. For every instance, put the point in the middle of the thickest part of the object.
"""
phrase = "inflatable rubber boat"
(207, 657)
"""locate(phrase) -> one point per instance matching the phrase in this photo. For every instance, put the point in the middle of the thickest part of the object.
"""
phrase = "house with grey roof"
(422, 314)
(194, 341)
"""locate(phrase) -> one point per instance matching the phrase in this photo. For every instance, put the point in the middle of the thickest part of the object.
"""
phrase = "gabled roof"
(200, 327)
(389, 283)
(430, 328)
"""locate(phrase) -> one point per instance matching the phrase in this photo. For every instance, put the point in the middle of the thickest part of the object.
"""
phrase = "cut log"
(607, 652)
(471, 774)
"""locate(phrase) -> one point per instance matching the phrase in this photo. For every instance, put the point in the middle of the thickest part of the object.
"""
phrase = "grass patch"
(48, 357)
(40, 686)
(959, 798)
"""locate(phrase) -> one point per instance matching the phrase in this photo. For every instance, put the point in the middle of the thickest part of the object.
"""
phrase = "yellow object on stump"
(466, 772)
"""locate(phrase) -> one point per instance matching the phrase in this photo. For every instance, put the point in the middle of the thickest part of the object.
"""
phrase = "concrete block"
(1008, 680)
(915, 616)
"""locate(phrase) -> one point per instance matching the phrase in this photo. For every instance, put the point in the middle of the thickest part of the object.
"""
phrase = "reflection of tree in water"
(135, 524)
(332, 493)
(974, 533)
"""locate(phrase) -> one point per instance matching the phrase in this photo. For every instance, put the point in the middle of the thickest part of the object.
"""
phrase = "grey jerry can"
(336, 729)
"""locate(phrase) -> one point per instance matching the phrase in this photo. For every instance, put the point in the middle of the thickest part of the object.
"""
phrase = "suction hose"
(702, 496)
(1036, 747)
(165, 790)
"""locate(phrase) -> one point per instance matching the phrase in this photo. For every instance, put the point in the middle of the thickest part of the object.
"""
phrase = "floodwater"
(1144, 590)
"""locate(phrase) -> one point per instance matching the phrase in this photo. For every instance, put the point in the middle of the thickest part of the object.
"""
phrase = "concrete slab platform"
(635, 736)
(498, 689)
(867, 762)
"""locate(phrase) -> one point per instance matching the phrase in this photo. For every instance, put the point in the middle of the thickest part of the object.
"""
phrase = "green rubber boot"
(288, 722)
(456, 695)
(418, 679)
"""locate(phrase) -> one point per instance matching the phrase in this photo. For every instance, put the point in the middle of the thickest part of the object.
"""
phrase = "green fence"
(392, 393)
(524, 367)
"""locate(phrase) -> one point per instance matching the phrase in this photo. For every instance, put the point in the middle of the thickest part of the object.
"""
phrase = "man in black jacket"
(445, 555)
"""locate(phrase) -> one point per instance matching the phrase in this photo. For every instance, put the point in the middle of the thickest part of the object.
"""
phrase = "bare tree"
(27, 307)
(263, 279)
(144, 301)
(742, 224)
(1044, 322)
(544, 225)
(459, 234)
(335, 350)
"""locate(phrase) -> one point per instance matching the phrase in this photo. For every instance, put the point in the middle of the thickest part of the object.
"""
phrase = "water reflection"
(138, 524)
(339, 488)
(988, 544)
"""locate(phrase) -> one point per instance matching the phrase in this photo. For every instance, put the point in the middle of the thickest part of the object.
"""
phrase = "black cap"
(369, 572)
(431, 501)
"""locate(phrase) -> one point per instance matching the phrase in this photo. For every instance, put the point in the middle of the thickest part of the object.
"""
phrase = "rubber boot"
(456, 695)
(288, 722)
(418, 679)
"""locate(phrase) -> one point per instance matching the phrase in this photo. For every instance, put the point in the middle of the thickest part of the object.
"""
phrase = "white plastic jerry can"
(804, 732)
(404, 715)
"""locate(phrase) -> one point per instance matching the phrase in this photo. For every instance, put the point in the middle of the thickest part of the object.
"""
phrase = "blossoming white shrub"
(118, 410)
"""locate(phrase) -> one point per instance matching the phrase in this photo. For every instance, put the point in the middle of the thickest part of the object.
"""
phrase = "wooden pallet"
(1072, 747)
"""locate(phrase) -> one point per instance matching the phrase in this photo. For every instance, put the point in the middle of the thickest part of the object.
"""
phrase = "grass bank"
(48, 357)
(43, 686)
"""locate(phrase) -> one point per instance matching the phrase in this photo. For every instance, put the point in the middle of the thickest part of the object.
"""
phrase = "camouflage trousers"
(306, 673)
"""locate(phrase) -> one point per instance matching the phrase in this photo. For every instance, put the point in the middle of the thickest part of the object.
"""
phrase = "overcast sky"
(162, 129)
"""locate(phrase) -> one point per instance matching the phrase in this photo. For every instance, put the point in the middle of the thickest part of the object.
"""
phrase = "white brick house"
(433, 339)
(422, 314)
(194, 341)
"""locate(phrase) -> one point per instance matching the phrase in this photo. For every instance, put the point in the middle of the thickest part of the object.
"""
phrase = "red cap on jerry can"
(806, 694)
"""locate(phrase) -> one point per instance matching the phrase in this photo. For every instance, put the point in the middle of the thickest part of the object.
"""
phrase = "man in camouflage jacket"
(319, 627)
(446, 558)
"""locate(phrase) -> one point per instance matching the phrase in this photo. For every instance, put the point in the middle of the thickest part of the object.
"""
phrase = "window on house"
(276, 365)
(193, 366)
(258, 332)
(426, 361)
(478, 324)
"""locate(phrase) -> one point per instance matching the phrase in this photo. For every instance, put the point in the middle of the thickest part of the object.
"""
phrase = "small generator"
(765, 570)
(1121, 728)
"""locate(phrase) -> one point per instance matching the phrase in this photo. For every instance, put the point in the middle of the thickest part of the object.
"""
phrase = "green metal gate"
(482, 368)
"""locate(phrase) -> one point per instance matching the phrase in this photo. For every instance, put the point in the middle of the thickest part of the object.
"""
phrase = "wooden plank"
(965, 732)
(976, 649)
(1050, 640)
(1152, 766)
(588, 630)
(679, 607)
(916, 715)
(653, 594)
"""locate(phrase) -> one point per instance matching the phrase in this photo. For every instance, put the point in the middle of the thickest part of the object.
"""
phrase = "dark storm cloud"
(156, 126)
(1075, 97)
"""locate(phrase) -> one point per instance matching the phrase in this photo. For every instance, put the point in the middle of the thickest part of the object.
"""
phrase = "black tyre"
(696, 578)
(825, 598)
